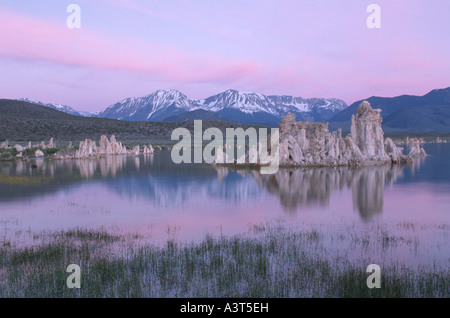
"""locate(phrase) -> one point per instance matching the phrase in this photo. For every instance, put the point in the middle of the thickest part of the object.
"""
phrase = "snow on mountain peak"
(60, 107)
(165, 103)
(162, 104)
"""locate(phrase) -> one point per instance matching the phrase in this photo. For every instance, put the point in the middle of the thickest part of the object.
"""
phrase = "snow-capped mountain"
(230, 105)
(156, 107)
(61, 107)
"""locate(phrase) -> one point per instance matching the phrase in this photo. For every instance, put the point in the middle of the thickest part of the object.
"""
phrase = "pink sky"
(312, 48)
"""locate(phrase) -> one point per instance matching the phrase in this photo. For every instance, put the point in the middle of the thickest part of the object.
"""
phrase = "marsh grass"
(269, 261)
(25, 180)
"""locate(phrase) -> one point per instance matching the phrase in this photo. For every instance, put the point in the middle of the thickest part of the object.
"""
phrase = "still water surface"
(157, 199)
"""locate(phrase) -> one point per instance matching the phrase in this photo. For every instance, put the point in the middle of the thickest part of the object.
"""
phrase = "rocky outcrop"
(106, 147)
(367, 133)
(415, 150)
(110, 147)
(312, 144)
(395, 153)
(39, 153)
(148, 150)
(19, 148)
(136, 150)
(406, 141)
(51, 144)
(88, 148)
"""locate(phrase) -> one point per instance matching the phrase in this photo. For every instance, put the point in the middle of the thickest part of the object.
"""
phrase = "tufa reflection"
(301, 187)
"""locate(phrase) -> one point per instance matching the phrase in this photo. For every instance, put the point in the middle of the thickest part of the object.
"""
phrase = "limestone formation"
(43, 145)
(86, 149)
(89, 148)
(116, 146)
(148, 150)
(395, 153)
(312, 144)
(136, 150)
(104, 145)
(38, 153)
(407, 141)
(367, 133)
(415, 149)
(19, 148)
(51, 144)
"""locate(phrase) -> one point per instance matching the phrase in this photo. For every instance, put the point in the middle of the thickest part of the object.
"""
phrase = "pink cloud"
(301, 48)
(34, 39)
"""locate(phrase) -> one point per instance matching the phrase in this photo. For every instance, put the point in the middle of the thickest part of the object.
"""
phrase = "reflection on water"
(152, 196)
(375, 215)
(107, 166)
(302, 187)
(156, 179)
(148, 194)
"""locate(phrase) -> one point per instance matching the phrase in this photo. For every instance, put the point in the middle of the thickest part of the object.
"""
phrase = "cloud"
(34, 39)
(308, 49)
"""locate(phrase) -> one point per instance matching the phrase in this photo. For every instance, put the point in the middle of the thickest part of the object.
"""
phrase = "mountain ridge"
(231, 105)
(429, 112)
(23, 121)
(61, 107)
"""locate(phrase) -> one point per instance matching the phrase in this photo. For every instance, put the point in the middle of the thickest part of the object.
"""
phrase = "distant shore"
(167, 144)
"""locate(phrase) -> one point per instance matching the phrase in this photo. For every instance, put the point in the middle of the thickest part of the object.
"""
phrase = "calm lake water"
(157, 199)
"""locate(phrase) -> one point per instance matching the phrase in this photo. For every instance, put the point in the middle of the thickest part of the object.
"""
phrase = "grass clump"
(275, 262)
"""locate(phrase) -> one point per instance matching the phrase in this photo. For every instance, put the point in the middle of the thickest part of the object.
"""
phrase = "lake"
(160, 200)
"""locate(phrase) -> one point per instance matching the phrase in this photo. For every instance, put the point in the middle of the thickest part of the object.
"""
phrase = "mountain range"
(24, 121)
(230, 105)
(63, 108)
(430, 112)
